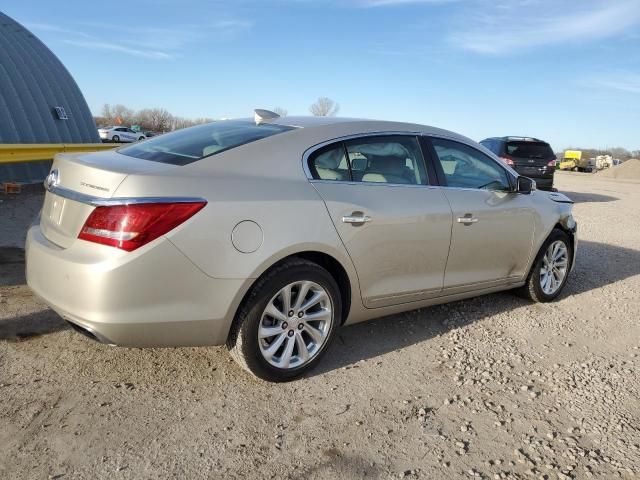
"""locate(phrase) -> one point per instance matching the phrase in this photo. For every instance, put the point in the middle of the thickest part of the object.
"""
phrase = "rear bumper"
(153, 297)
(544, 181)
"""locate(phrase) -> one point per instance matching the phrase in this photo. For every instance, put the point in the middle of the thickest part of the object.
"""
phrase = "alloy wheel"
(554, 267)
(295, 324)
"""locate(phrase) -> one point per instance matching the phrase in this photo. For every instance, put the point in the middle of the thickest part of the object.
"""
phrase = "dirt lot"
(493, 387)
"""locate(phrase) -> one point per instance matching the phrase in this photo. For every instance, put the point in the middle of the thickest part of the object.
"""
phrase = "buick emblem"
(52, 179)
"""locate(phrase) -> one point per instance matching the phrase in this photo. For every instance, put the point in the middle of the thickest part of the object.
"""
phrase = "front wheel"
(550, 270)
(115, 139)
(287, 321)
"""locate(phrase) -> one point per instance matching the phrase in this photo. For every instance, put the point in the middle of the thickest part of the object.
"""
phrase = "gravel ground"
(493, 387)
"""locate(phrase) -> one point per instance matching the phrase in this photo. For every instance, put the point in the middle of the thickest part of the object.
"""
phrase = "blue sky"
(564, 70)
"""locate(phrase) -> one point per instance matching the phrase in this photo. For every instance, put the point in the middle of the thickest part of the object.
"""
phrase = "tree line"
(161, 120)
(155, 119)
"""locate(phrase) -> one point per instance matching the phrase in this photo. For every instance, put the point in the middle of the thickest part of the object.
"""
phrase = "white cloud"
(143, 41)
(504, 27)
(387, 3)
(114, 47)
(628, 82)
(45, 27)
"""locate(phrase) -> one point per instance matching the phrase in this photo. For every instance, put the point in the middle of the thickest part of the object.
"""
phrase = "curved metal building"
(39, 100)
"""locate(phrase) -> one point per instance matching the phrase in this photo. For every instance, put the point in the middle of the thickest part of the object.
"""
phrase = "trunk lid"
(88, 174)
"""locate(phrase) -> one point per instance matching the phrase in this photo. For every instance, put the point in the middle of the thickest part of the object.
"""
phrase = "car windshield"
(529, 150)
(195, 143)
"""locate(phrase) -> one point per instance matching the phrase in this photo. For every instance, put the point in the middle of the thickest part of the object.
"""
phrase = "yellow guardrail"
(33, 152)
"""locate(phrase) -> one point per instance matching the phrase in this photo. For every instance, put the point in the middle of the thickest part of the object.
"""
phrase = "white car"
(120, 135)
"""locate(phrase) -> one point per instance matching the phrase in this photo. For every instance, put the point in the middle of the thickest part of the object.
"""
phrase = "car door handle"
(356, 218)
(467, 220)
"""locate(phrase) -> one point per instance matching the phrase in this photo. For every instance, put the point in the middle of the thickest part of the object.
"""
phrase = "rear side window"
(195, 143)
(535, 150)
(330, 163)
(387, 159)
(393, 159)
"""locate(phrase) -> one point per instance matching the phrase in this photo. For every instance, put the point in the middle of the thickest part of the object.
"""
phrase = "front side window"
(466, 167)
(195, 143)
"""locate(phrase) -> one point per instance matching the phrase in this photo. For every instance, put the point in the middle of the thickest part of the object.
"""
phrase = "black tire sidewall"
(535, 275)
(115, 139)
(250, 323)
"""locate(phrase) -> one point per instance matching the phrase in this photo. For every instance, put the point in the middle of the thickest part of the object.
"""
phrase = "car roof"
(515, 138)
(361, 125)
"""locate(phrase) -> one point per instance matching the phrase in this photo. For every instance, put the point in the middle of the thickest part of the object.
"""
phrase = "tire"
(140, 139)
(115, 139)
(533, 288)
(250, 352)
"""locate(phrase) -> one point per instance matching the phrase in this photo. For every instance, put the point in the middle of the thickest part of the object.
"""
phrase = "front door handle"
(357, 218)
(467, 220)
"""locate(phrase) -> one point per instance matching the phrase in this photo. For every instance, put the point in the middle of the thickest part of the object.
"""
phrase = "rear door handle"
(356, 218)
(467, 220)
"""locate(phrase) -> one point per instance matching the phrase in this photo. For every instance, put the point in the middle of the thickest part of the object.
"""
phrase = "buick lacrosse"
(268, 234)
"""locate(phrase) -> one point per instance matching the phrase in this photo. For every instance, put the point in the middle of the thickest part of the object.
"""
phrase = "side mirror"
(525, 185)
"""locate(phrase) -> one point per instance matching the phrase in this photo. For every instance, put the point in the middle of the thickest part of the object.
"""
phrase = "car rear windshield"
(529, 150)
(195, 143)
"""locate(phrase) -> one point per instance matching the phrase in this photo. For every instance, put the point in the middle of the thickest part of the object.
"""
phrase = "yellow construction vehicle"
(571, 160)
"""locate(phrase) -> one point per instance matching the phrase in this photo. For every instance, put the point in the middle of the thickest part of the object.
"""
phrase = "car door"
(395, 226)
(121, 132)
(131, 135)
(493, 226)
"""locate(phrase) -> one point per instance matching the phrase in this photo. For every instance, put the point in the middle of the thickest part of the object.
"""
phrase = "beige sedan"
(269, 234)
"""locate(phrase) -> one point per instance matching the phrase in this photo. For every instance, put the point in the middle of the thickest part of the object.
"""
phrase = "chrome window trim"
(107, 202)
(380, 184)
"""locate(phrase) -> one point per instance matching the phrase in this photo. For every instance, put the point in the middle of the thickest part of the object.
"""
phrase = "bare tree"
(106, 114)
(179, 122)
(280, 111)
(324, 107)
(121, 114)
(156, 119)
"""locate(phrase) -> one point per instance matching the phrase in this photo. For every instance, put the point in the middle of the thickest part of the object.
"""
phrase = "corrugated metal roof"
(32, 83)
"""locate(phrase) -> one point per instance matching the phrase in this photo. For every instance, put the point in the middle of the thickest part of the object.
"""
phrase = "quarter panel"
(289, 212)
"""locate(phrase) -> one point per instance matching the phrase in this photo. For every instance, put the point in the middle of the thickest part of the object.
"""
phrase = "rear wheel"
(550, 271)
(287, 321)
(115, 139)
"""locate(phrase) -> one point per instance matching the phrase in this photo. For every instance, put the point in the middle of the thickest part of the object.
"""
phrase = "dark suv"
(528, 156)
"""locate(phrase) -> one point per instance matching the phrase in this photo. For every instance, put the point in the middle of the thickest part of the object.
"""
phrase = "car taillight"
(130, 226)
(508, 161)
(552, 163)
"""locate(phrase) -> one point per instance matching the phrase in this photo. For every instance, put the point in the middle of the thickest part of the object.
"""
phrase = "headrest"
(330, 159)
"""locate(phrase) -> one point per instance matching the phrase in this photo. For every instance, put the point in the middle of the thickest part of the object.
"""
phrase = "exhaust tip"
(83, 331)
(89, 334)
